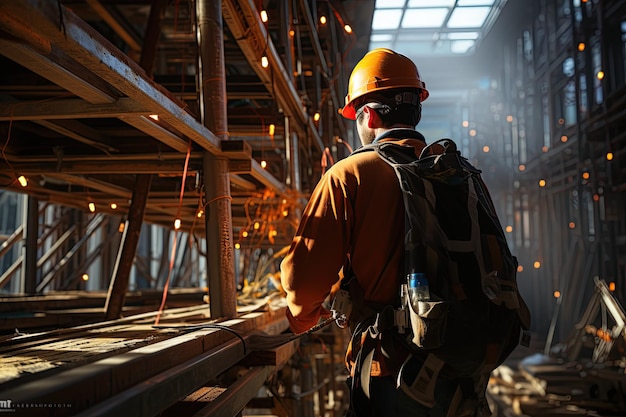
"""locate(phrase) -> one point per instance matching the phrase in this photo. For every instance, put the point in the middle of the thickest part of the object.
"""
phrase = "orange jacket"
(355, 213)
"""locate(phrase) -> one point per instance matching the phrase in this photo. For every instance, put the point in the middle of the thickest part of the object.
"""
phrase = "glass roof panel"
(386, 19)
(442, 27)
(424, 18)
(389, 4)
(475, 2)
(430, 3)
(381, 37)
(468, 17)
(463, 35)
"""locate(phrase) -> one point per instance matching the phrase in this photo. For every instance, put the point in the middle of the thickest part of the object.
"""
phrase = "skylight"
(432, 27)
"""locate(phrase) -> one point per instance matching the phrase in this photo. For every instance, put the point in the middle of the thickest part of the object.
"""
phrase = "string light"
(537, 265)
(22, 180)
(200, 213)
(121, 227)
(113, 206)
(323, 20)
(542, 183)
(586, 175)
(177, 224)
(264, 164)
(85, 277)
(272, 129)
(609, 156)
(485, 149)
(237, 245)
(545, 149)
(509, 118)
(509, 229)
(564, 138)
(612, 286)
(347, 28)
(316, 116)
(92, 206)
(264, 62)
(600, 75)
(244, 233)
(572, 225)
(581, 46)
(257, 225)
(520, 268)
(557, 294)
(465, 123)
(154, 117)
(522, 167)
(264, 16)
(472, 132)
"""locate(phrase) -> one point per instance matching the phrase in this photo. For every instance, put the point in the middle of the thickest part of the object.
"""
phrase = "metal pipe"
(212, 86)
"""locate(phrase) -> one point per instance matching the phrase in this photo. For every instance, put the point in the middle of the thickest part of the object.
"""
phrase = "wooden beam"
(69, 109)
(104, 13)
(58, 68)
(128, 248)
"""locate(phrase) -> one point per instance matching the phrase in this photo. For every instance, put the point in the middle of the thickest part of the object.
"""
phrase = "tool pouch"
(429, 323)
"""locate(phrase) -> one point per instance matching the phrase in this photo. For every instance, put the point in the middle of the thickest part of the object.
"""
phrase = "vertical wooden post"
(128, 248)
(31, 233)
(130, 238)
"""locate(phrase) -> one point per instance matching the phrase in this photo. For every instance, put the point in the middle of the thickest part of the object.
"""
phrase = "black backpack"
(475, 316)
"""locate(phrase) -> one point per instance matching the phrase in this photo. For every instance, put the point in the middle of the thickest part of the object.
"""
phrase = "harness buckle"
(341, 308)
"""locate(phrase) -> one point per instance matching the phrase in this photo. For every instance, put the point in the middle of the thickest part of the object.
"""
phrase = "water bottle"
(418, 289)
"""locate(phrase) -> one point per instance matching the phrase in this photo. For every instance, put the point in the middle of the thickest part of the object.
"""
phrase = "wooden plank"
(234, 399)
(274, 357)
(89, 385)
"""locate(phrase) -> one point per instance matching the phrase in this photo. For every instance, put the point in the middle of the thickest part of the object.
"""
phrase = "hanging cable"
(173, 253)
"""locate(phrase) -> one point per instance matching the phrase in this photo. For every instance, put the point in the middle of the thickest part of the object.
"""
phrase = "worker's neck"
(379, 131)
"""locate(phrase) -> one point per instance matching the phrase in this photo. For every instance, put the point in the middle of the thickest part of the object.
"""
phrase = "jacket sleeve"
(318, 252)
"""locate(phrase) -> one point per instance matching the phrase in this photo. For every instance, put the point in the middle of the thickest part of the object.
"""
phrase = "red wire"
(173, 254)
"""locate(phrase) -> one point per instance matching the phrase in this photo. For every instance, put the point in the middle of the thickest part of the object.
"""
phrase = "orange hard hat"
(381, 69)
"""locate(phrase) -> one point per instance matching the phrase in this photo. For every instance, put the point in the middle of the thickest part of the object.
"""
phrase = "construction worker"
(354, 224)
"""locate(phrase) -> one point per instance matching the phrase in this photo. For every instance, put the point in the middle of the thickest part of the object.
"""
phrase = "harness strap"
(422, 389)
